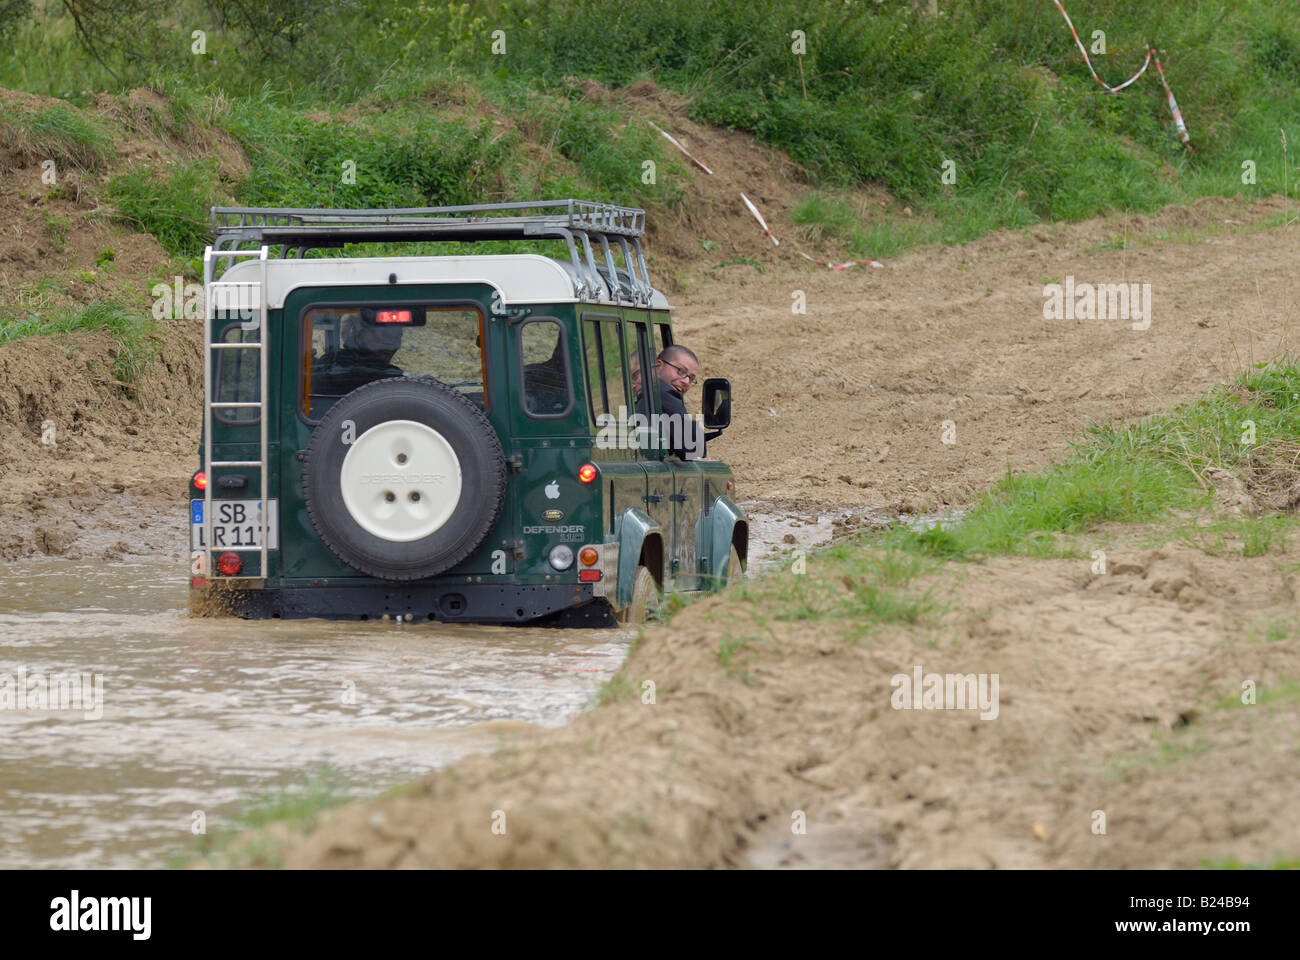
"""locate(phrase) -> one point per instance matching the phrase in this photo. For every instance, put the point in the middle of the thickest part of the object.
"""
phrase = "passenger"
(678, 369)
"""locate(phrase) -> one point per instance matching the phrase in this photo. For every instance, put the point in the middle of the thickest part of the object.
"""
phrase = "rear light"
(230, 564)
(200, 481)
(561, 557)
(587, 472)
(588, 556)
(393, 316)
(588, 575)
(198, 583)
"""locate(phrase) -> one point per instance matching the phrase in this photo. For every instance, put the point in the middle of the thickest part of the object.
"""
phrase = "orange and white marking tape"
(1173, 108)
(1151, 52)
(842, 266)
(673, 140)
(761, 222)
(1079, 44)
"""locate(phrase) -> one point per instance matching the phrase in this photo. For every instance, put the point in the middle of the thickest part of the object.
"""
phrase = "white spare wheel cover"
(400, 480)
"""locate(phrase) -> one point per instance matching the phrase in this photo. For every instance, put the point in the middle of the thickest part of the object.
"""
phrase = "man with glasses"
(678, 369)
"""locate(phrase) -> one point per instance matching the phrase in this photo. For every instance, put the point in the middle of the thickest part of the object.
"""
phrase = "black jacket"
(683, 426)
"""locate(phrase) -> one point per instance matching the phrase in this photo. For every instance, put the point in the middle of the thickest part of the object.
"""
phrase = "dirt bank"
(1119, 693)
(111, 481)
(846, 404)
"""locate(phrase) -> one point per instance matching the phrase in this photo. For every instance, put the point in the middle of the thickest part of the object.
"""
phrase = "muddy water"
(205, 715)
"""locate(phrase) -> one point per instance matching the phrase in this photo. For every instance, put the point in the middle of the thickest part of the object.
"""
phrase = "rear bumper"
(570, 604)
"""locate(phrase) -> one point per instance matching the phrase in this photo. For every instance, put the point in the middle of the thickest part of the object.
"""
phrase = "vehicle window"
(665, 338)
(638, 361)
(345, 348)
(604, 353)
(547, 391)
(238, 377)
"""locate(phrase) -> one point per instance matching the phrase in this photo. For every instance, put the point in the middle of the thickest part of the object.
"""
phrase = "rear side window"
(638, 360)
(665, 338)
(238, 377)
(346, 347)
(604, 354)
(544, 361)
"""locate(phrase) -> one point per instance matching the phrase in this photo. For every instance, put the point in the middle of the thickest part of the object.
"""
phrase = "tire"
(403, 478)
(644, 592)
(735, 572)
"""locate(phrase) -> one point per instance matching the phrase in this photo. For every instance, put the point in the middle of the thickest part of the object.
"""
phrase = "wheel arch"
(640, 541)
(729, 528)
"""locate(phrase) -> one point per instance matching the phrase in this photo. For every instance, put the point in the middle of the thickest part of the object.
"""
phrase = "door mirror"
(717, 403)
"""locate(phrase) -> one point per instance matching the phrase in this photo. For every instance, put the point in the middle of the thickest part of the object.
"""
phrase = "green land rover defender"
(457, 438)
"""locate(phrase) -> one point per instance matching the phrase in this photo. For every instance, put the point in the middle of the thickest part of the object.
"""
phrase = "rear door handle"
(681, 497)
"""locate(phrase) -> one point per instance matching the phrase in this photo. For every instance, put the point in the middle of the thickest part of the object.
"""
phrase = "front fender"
(728, 526)
(635, 530)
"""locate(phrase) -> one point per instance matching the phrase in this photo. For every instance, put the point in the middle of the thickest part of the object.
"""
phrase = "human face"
(678, 374)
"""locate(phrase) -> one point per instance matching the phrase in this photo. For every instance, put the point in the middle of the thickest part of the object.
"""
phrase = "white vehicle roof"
(520, 278)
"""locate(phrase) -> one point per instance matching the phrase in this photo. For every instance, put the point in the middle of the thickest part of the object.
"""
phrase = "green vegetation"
(174, 207)
(444, 101)
(66, 136)
(246, 840)
(1277, 863)
(1137, 474)
(132, 330)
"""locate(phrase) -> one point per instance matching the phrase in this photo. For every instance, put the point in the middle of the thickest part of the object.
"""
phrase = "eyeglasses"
(689, 376)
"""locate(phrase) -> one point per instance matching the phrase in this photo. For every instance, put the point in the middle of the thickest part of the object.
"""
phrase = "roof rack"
(296, 230)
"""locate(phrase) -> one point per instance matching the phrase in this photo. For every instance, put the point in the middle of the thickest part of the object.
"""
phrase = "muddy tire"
(644, 594)
(403, 478)
(735, 572)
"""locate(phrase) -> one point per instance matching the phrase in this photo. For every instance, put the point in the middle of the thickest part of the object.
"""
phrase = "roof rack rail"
(307, 227)
(577, 222)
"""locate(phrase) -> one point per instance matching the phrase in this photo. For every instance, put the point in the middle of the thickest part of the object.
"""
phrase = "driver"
(366, 355)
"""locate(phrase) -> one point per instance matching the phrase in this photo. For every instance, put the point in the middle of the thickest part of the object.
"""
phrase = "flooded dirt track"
(203, 714)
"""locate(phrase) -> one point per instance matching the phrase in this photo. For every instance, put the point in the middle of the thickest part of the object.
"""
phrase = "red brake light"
(393, 316)
(587, 473)
(230, 564)
(588, 575)
(200, 481)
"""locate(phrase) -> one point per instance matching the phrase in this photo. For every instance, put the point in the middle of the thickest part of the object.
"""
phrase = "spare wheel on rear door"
(403, 478)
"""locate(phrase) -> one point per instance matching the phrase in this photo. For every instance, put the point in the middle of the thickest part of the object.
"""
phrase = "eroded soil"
(1120, 692)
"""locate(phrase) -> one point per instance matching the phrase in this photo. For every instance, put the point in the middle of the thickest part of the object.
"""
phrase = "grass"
(1241, 536)
(1169, 749)
(1280, 862)
(1134, 474)
(174, 206)
(983, 118)
(133, 331)
(297, 809)
(60, 133)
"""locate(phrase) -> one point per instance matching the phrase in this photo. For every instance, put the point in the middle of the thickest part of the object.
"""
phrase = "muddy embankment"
(1113, 687)
(1121, 738)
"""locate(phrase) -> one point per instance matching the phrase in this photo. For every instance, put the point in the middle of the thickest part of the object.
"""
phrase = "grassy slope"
(996, 87)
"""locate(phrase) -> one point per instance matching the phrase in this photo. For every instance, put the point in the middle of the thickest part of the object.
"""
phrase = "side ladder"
(222, 296)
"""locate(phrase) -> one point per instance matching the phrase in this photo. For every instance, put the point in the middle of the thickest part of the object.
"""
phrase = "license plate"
(235, 523)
